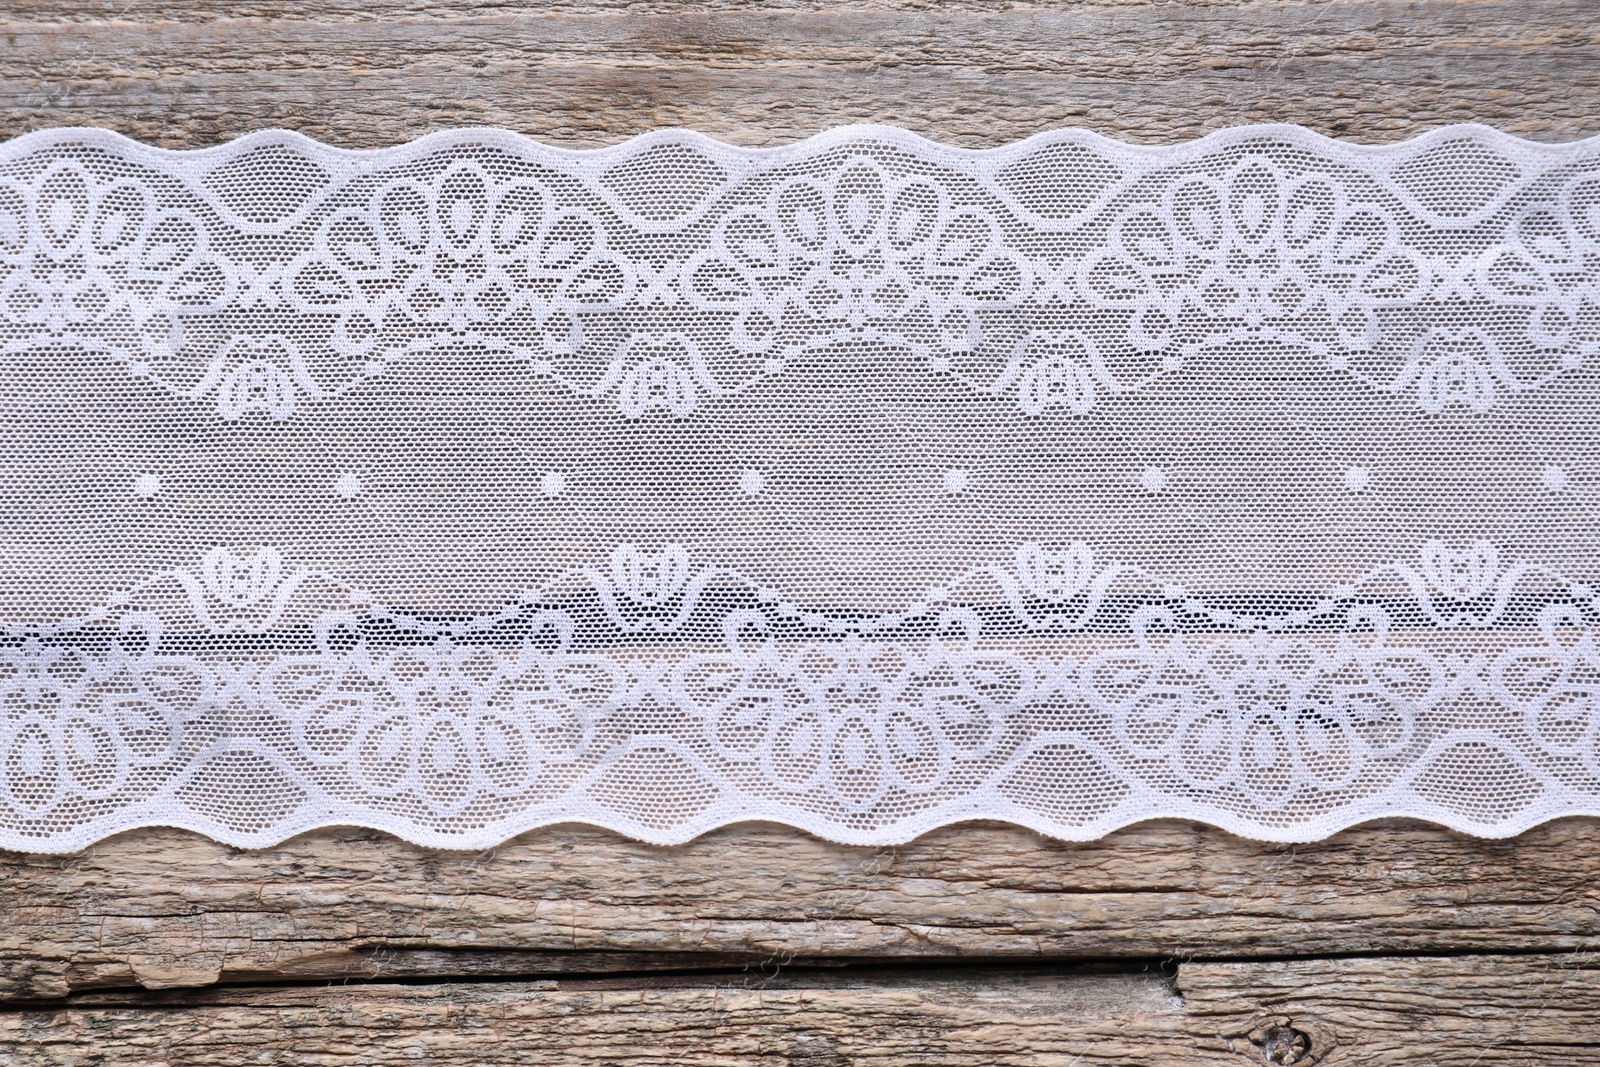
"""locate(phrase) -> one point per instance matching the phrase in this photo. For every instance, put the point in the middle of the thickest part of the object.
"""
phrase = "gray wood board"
(1164, 943)
(969, 74)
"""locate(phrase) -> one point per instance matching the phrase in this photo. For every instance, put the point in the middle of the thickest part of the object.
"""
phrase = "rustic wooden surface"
(1164, 943)
(372, 72)
(1457, 1011)
(1395, 943)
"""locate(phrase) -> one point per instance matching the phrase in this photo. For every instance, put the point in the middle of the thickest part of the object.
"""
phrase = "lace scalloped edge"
(817, 141)
(818, 827)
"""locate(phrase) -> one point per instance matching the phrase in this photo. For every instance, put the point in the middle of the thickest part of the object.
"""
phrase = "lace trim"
(1249, 480)
(1055, 271)
(462, 732)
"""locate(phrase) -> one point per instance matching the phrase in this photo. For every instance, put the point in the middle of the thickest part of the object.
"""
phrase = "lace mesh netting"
(864, 485)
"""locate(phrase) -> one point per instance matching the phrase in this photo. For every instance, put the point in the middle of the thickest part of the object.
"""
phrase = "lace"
(864, 485)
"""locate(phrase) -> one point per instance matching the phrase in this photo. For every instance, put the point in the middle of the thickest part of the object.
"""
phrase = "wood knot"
(1282, 1043)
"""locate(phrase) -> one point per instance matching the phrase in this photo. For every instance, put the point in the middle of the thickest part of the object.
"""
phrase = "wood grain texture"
(1168, 943)
(971, 74)
(1442, 1011)
(165, 909)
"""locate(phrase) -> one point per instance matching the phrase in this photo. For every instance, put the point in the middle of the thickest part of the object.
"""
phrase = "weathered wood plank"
(162, 908)
(388, 10)
(971, 74)
(1466, 1011)
(823, 953)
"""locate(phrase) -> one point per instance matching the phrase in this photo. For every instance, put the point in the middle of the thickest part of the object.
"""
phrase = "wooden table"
(1166, 943)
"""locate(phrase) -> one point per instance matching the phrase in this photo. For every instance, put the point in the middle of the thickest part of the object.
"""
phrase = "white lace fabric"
(863, 485)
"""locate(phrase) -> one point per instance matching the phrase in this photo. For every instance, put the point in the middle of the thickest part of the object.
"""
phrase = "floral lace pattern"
(864, 485)
(867, 729)
(1053, 272)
